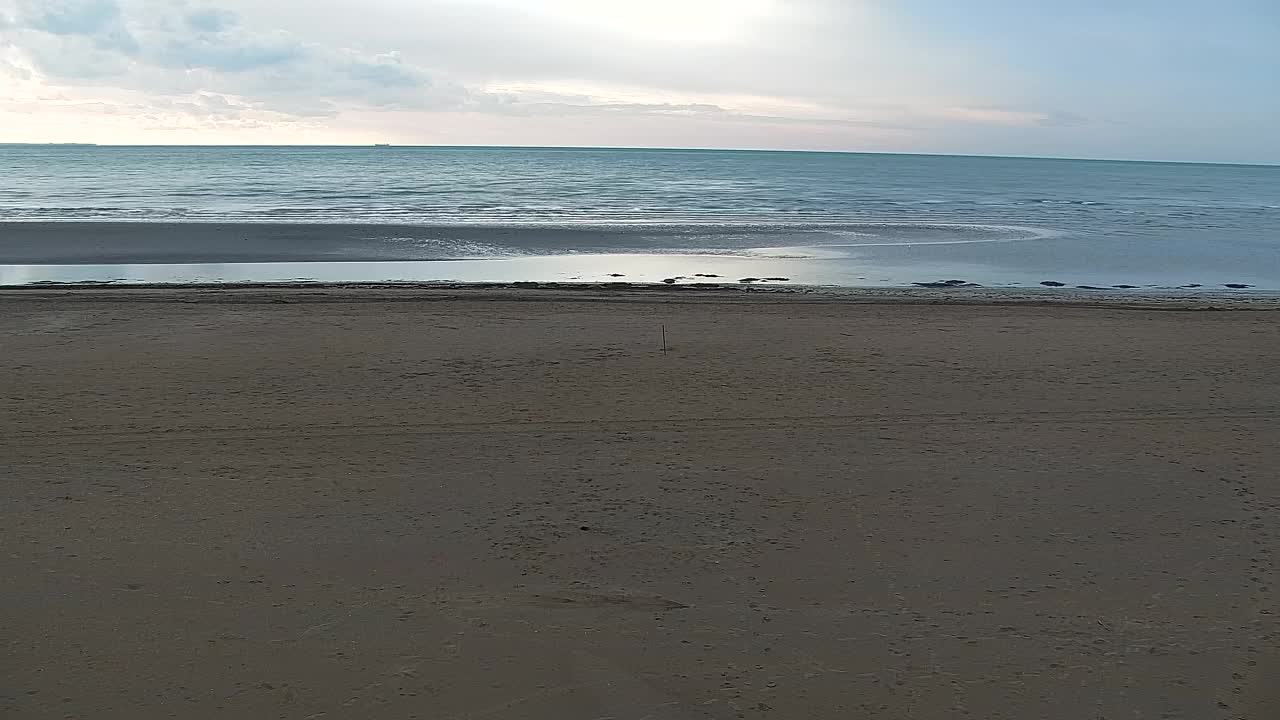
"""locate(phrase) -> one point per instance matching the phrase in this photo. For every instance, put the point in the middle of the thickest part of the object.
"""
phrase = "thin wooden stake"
(664, 339)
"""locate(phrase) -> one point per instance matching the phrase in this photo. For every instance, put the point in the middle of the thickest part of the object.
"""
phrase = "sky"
(1136, 79)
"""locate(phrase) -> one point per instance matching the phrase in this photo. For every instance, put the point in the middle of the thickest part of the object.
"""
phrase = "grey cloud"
(162, 47)
(387, 70)
(99, 20)
(211, 20)
(216, 51)
(73, 17)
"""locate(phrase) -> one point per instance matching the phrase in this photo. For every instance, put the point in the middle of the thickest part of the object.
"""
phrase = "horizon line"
(393, 146)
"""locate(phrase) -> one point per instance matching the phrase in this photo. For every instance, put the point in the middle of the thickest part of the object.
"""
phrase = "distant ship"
(382, 145)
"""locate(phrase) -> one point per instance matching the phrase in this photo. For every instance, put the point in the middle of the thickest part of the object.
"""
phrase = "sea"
(487, 214)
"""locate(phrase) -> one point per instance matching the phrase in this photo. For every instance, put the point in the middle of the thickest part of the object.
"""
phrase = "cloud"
(226, 52)
(1063, 118)
(691, 110)
(1008, 117)
(72, 17)
(854, 74)
(172, 49)
(539, 102)
(211, 20)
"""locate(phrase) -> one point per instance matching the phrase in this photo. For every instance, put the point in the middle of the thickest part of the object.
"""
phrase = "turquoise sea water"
(846, 219)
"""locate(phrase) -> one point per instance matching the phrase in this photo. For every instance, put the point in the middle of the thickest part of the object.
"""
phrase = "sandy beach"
(502, 503)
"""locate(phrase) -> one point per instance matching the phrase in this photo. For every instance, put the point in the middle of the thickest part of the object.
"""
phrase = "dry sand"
(370, 503)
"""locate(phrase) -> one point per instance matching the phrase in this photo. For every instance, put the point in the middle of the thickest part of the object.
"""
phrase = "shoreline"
(839, 255)
(343, 292)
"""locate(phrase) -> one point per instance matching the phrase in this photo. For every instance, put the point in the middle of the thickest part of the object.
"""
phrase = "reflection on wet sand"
(565, 268)
(669, 269)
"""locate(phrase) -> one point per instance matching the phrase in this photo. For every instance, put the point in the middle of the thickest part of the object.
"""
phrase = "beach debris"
(1053, 283)
(1237, 286)
(943, 284)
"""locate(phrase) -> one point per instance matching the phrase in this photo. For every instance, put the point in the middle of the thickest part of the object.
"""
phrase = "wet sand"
(500, 503)
(834, 255)
(131, 243)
